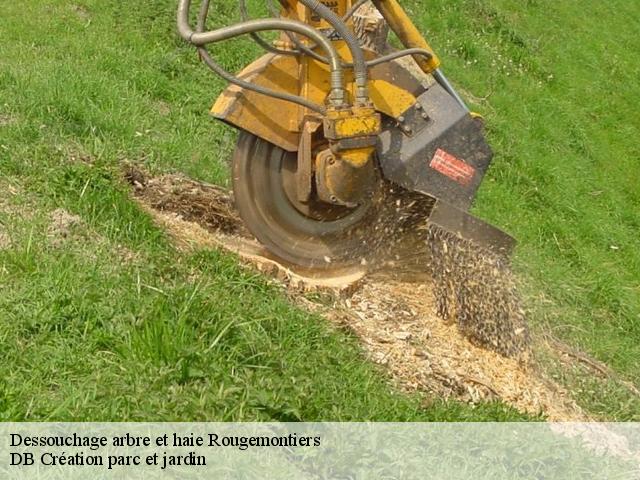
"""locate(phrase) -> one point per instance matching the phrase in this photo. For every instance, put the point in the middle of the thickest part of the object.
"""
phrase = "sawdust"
(206, 204)
(400, 329)
(477, 290)
(197, 214)
(393, 310)
(473, 287)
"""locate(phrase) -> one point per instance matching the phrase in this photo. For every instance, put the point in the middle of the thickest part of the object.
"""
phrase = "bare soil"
(62, 225)
(5, 239)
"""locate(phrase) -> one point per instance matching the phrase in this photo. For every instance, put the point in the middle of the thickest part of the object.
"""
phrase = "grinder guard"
(438, 149)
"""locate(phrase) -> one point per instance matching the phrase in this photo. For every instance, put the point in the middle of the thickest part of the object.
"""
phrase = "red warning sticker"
(454, 168)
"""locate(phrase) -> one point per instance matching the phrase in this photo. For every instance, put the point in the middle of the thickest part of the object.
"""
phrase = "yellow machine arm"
(407, 33)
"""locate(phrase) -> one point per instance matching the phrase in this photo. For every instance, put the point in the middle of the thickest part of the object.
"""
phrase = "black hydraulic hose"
(308, 50)
(390, 56)
(359, 62)
(444, 83)
(204, 54)
(219, 70)
(303, 49)
(395, 55)
(200, 39)
(299, 45)
(244, 15)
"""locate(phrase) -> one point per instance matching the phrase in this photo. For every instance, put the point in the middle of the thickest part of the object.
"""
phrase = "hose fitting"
(359, 61)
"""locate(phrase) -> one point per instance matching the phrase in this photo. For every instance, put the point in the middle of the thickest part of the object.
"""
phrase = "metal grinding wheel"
(312, 234)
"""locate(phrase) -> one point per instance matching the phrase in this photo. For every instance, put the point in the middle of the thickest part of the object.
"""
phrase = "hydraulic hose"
(353, 9)
(202, 16)
(391, 56)
(299, 45)
(394, 55)
(339, 26)
(244, 15)
(359, 62)
(201, 39)
(211, 63)
(444, 83)
(305, 50)
(302, 48)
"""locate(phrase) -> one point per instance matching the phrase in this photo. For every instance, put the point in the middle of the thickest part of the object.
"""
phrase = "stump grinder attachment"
(336, 128)
(328, 123)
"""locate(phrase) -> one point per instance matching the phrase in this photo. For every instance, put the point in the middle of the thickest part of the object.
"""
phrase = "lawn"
(106, 320)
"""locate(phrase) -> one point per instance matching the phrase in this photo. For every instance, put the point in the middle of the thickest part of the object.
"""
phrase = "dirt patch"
(393, 310)
(197, 214)
(163, 108)
(68, 229)
(6, 120)
(81, 11)
(5, 239)
(62, 226)
(207, 205)
(12, 202)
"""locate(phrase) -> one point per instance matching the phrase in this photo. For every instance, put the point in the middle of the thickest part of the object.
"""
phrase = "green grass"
(115, 324)
(555, 81)
(112, 322)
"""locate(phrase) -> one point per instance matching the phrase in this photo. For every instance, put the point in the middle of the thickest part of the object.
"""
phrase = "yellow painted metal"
(361, 125)
(297, 11)
(351, 130)
(357, 157)
(278, 121)
(339, 7)
(271, 119)
(390, 99)
(351, 123)
(407, 32)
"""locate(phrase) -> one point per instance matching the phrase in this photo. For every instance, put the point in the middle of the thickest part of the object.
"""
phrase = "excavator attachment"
(332, 130)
